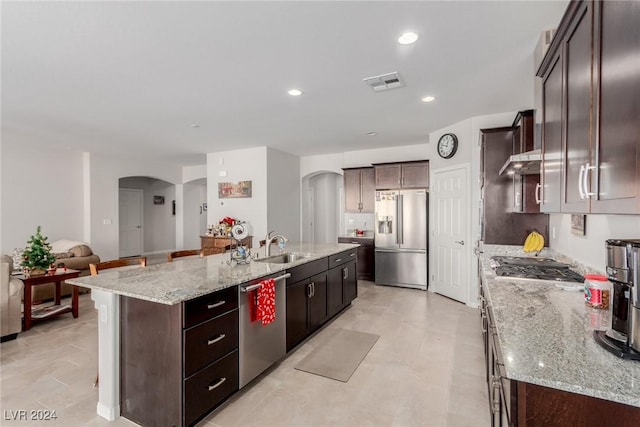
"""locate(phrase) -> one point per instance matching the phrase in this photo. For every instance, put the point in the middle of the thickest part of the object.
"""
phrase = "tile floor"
(425, 370)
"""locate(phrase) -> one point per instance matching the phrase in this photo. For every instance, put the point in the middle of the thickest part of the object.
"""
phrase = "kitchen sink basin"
(284, 258)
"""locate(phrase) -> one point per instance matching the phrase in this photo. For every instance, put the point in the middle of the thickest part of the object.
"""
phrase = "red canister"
(596, 291)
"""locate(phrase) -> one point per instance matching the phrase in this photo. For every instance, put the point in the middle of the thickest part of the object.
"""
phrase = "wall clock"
(447, 145)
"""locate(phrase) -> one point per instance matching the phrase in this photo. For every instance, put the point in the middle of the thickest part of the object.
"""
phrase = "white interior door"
(130, 222)
(450, 198)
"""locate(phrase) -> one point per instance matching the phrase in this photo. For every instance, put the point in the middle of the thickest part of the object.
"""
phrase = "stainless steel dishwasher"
(261, 346)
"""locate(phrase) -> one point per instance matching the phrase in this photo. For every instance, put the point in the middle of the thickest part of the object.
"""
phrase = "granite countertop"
(185, 279)
(546, 335)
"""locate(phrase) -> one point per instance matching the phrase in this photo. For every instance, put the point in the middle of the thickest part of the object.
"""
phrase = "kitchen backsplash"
(358, 221)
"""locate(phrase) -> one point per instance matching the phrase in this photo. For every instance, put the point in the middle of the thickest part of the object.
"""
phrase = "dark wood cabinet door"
(368, 189)
(349, 283)
(577, 111)
(318, 312)
(334, 283)
(388, 176)
(551, 168)
(296, 313)
(366, 263)
(352, 190)
(616, 182)
(415, 175)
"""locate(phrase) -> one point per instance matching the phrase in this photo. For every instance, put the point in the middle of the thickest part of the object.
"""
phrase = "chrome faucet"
(269, 240)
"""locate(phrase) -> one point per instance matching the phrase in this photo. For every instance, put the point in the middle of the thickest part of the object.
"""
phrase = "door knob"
(460, 242)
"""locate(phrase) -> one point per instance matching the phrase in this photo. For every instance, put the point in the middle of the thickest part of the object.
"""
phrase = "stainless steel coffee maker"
(623, 271)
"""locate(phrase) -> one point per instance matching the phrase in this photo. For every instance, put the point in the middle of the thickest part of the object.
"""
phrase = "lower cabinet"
(366, 257)
(178, 362)
(317, 291)
(306, 308)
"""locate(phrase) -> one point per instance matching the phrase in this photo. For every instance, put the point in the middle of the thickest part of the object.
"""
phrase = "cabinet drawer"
(209, 387)
(209, 306)
(210, 341)
(342, 257)
(307, 270)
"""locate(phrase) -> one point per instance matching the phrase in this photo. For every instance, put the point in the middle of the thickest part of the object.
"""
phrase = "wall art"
(158, 200)
(229, 190)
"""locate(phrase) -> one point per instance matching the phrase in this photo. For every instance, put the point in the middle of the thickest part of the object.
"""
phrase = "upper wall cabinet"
(591, 87)
(402, 175)
(359, 190)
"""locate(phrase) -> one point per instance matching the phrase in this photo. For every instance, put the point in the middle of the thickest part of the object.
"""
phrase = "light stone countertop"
(546, 335)
(188, 278)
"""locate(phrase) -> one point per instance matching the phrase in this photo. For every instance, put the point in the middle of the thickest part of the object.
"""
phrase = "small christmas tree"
(37, 254)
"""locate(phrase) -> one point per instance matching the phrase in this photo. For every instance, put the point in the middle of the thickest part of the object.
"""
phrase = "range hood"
(527, 163)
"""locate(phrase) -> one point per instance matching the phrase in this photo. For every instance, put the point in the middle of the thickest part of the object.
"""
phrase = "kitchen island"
(168, 293)
(544, 367)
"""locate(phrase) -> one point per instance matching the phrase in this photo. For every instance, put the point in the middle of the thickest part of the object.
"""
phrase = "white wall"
(590, 248)
(239, 165)
(283, 188)
(105, 172)
(192, 173)
(40, 187)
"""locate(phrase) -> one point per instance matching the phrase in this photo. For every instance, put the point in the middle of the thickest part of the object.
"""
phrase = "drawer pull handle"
(338, 260)
(218, 304)
(215, 340)
(218, 384)
(352, 254)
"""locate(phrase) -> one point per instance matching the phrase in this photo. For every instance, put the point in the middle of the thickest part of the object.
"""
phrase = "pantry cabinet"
(359, 190)
(599, 118)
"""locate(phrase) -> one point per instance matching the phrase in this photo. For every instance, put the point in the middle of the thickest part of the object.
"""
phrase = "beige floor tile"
(426, 369)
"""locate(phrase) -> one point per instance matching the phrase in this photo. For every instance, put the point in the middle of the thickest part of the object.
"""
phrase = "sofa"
(10, 301)
(74, 255)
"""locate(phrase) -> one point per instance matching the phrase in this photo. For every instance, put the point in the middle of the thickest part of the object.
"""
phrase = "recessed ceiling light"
(428, 99)
(195, 125)
(372, 133)
(408, 38)
(295, 92)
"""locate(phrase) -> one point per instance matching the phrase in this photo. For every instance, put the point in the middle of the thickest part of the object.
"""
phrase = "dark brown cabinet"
(307, 300)
(551, 167)
(590, 91)
(525, 187)
(306, 308)
(178, 362)
(359, 190)
(402, 175)
(365, 255)
(343, 282)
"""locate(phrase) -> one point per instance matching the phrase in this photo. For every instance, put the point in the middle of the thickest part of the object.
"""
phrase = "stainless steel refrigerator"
(401, 226)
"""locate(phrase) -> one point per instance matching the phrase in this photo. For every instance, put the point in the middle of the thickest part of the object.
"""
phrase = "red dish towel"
(267, 301)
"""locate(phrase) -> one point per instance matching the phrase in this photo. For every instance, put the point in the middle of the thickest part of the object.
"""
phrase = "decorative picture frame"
(229, 190)
(158, 200)
(578, 224)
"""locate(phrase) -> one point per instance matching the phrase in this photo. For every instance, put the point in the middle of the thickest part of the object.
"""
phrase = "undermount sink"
(284, 258)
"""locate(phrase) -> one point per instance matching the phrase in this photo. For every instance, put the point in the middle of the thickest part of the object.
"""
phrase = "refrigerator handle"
(400, 212)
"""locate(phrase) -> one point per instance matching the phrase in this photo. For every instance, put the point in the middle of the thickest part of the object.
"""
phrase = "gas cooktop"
(534, 268)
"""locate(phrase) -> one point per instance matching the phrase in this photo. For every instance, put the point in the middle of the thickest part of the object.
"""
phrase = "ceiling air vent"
(384, 82)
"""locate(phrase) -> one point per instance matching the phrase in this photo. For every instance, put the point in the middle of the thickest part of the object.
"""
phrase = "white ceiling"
(132, 77)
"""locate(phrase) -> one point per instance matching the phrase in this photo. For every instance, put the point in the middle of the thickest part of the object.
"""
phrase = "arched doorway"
(321, 201)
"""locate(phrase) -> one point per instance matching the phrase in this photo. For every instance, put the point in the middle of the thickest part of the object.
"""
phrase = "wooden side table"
(207, 242)
(50, 310)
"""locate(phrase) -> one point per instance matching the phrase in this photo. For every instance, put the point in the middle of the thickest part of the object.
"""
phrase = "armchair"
(10, 301)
